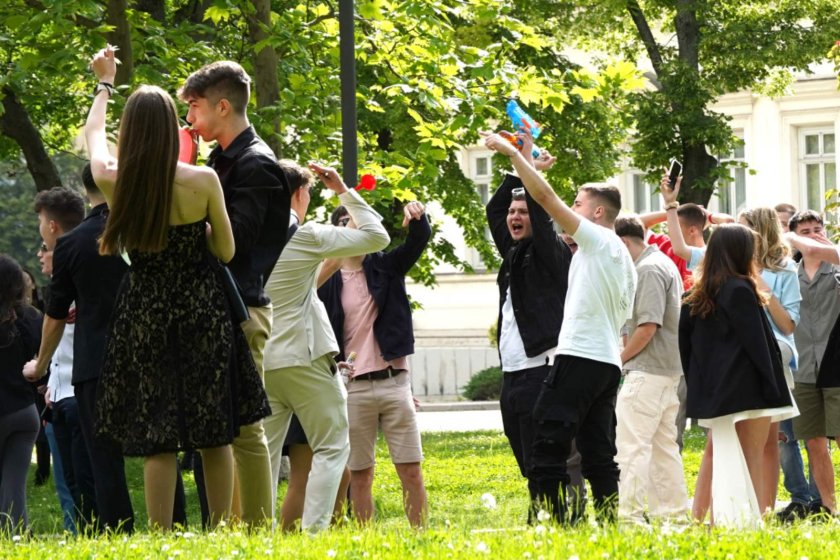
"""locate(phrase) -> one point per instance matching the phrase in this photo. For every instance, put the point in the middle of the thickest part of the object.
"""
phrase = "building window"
(481, 173)
(732, 192)
(817, 167)
(645, 195)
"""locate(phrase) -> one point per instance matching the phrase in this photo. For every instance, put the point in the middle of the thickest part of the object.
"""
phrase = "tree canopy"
(430, 75)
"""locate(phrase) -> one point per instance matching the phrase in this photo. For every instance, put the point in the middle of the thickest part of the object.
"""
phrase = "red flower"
(367, 183)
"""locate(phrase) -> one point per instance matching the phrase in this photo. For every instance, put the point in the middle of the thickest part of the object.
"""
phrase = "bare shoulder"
(196, 177)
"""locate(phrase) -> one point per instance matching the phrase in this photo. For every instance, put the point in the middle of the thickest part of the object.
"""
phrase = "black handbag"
(233, 294)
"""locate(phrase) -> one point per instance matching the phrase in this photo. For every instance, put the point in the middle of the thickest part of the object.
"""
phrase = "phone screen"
(674, 172)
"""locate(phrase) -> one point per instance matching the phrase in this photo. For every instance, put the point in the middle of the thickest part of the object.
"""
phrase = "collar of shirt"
(239, 143)
(97, 210)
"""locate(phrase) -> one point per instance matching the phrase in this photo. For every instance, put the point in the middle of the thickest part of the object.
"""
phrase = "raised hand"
(329, 176)
(495, 142)
(669, 195)
(104, 64)
(412, 211)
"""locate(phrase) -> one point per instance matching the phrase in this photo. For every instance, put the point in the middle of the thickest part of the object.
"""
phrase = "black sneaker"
(793, 512)
(819, 512)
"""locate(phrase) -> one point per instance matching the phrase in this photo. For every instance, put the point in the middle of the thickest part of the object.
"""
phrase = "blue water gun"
(522, 121)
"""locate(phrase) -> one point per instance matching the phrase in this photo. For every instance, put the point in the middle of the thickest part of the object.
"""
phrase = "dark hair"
(608, 196)
(36, 296)
(223, 79)
(730, 254)
(629, 226)
(337, 214)
(87, 180)
(63, 205)
(297, 175)
(148, 156)
(692, 215)
(11, 295)
(803, 216)
(785, 207)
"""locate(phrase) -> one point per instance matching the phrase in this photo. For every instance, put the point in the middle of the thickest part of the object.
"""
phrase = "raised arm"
(535, 184)
(669, 196)
(102, 165)
(820, 248)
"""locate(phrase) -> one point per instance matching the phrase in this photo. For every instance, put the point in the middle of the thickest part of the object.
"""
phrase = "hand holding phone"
(674, 171)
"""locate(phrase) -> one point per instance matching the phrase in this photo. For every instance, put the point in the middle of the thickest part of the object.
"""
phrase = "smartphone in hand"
(674, 171)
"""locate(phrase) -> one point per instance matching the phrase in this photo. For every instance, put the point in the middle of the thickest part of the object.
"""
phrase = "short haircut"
(630, 226)
(804, 216)
(337, 214)
(223, 79)
(692, 214)
(785, 207)
(296, 175)
(609, 197)
(61, 204)
(91, 187)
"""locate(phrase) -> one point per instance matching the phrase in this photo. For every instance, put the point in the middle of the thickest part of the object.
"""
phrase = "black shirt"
(92, 280)
(258, 199)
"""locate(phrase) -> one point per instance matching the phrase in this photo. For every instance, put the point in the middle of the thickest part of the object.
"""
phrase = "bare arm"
(51, 334)
(219, 234)
(328, 268)
(637, 341)
(535, 184)
(821, 249)
(650, 219)
(102, 165)
(669, 196)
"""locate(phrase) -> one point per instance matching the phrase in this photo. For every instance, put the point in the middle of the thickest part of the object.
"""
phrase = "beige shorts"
(819, 411)
(387, 403)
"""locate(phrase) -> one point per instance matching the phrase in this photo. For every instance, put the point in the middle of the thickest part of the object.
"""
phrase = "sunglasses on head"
(519, 191)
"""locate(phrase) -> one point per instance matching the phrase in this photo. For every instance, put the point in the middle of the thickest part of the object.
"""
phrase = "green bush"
(485, 385)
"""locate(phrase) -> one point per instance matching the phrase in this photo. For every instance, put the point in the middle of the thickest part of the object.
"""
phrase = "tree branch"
(646, 35)
(16, 124)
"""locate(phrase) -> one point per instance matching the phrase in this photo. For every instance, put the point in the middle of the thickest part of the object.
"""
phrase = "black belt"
(386, 373)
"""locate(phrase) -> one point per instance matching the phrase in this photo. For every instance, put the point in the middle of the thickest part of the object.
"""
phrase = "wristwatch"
(104, 86)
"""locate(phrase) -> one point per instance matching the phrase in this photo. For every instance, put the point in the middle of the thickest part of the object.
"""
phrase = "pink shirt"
(360, 312)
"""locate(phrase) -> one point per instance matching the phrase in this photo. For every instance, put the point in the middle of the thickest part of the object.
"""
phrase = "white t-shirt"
(511, 346)
(602, 286)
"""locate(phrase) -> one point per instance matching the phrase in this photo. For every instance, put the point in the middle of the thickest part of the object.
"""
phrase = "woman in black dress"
(733, 370)
(177, 372)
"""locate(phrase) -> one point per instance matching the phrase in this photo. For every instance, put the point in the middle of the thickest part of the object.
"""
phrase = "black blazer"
(385, 274)
(731, 359)
(536, 269)
(82, 275)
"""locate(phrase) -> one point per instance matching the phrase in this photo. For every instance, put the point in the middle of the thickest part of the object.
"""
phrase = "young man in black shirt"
(257, 199)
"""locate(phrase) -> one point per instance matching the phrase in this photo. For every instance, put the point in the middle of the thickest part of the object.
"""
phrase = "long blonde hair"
(148, 156)
(771, 251)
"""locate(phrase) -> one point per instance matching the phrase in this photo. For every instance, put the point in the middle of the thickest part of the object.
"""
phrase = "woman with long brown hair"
(177, 372)
(733, 370)
(20, 336)
(778, 279)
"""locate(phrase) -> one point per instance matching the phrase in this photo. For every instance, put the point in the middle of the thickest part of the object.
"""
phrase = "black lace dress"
(177, 373)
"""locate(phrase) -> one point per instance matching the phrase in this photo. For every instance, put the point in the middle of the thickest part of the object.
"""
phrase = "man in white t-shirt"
(577, 400)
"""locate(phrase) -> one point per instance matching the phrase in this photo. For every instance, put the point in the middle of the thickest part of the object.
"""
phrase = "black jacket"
(385, 275)
(92, 280)
(536, 269)
(731, 359)
(257, 199)
(19, 342)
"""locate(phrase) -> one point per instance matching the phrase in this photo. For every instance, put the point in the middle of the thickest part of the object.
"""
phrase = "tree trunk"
(16, 124)
(121, 37)
(265, 68)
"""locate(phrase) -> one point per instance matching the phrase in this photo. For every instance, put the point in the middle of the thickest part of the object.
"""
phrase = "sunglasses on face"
(43, 248)
(342, 222)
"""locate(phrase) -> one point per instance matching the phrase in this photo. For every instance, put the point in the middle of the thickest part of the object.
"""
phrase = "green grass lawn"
(459, 469)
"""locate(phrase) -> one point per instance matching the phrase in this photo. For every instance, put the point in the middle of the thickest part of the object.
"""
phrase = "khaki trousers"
(253, 481)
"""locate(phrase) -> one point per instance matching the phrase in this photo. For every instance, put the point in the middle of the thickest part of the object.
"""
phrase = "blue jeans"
(65, 498)
(793, 468)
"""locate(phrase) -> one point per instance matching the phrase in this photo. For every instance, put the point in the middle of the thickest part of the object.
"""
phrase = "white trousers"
(648, 454)
(319, 399)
